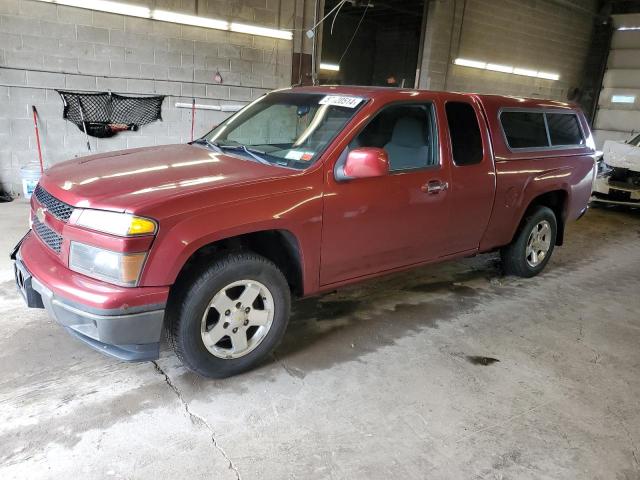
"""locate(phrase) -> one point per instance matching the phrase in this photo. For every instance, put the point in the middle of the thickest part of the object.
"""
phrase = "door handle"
(433, 187)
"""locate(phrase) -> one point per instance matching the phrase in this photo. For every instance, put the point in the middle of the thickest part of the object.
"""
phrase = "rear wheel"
(230, 316)
(532, 247)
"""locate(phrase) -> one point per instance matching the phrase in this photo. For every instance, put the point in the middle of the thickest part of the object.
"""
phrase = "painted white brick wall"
(44, 47)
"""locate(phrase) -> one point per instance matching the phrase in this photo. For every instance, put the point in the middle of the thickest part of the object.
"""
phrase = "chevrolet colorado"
(304, 190)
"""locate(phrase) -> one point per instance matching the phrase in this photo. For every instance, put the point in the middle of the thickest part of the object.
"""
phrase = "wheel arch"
(278, 245)
(557, 200)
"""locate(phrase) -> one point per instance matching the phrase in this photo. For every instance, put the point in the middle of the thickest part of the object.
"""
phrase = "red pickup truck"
(304, 190)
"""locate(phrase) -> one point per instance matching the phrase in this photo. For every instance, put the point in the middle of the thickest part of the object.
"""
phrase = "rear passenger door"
(473, 179)
(371, 225)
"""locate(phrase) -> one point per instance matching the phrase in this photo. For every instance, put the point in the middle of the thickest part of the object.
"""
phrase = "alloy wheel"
(237, 319)
(538, 244)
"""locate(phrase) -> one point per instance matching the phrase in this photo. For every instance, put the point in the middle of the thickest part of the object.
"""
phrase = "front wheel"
(531, 249)
(230, 316)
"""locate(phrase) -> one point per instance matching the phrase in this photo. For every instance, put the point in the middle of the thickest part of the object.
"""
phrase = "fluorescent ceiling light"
(628, 28)
(172, 17)
(261, 31)
(469, 63)
(105, 6)
(495, 67)
(549, 76)
(499, 68)
(526, 72)
(623, 99)
(330, 66)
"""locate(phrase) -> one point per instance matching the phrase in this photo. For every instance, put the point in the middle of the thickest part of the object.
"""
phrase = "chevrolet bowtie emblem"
(40, 214)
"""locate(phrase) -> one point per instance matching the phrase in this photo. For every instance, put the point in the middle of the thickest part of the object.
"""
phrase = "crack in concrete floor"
(294, 373)
(632, 443)
(196, 419)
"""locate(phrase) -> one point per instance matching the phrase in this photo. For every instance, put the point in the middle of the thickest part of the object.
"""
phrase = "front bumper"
(131, 334)
(615, 193)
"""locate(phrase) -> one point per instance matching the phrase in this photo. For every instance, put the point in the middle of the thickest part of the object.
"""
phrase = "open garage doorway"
(371, 42)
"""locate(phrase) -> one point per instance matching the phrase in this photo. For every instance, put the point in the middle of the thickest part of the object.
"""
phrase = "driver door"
(372, 225)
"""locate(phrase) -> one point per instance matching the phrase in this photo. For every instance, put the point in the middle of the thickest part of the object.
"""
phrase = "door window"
(407, 133)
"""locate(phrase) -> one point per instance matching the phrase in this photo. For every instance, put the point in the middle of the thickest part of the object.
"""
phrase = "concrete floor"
(375, 382)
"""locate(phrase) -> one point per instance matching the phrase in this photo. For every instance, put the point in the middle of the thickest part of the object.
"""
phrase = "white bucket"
(30, 175)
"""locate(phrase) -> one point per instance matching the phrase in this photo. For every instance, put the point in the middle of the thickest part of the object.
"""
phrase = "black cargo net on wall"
(105, 114)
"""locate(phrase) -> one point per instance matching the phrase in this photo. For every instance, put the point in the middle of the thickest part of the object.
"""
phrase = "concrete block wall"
(44, 47)
(544, 35)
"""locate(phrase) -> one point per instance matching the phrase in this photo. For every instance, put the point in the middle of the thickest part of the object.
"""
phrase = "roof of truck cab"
(492, 105)
(496, 101)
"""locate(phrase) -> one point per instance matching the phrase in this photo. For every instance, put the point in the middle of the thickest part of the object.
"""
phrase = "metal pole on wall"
(314, 50)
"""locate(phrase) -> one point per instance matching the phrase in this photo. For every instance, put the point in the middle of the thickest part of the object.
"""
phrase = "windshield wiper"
(206, 142)
(249, 151)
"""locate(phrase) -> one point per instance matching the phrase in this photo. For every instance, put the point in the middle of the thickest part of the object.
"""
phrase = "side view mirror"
(364, 162)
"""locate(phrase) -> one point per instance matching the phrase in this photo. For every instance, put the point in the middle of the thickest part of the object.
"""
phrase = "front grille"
(55, 207)
(48, 236)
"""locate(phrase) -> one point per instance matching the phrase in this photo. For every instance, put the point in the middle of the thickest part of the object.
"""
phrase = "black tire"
(192, 299)
(514, 255)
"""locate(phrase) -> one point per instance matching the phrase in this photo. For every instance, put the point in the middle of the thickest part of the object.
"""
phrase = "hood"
(128, 179)
(621, 155)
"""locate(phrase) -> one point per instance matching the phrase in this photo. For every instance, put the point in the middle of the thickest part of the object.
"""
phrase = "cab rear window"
(533, 129)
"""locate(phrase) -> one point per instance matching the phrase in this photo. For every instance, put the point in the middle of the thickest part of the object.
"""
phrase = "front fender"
(297, 212)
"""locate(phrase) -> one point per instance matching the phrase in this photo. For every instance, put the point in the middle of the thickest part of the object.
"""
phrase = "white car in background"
(618, 179)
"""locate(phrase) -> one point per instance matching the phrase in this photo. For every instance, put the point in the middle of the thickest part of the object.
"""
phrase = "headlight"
(113, 267)
(121, 224)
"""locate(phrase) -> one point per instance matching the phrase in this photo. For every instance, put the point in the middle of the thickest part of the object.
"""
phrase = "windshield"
(287, 129)
(635, 142)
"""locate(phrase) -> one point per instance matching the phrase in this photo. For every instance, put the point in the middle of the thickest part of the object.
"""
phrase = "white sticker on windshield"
(293, 155)
(299, 155)
(341, 101)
